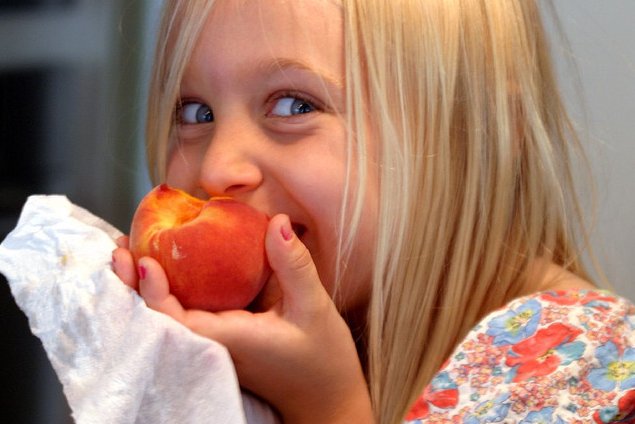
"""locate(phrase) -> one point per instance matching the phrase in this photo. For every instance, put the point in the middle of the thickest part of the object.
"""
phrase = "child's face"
(262, 120)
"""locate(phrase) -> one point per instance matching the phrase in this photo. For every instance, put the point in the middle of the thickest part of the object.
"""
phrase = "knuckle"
(301, 260)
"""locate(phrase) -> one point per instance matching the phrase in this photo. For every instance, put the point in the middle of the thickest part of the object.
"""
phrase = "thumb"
(293, 267)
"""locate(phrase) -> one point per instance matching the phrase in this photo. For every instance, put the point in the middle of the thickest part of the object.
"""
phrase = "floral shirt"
(551, 357)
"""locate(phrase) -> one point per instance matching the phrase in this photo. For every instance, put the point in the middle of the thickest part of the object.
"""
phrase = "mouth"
(298, 229)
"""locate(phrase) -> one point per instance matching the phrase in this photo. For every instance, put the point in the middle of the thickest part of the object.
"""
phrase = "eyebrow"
(281, 64)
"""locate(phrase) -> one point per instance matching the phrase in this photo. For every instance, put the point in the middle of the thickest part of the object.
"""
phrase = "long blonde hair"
(475, 173)
(474, 167)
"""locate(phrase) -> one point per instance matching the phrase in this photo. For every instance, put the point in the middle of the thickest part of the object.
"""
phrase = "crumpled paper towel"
(118, 360)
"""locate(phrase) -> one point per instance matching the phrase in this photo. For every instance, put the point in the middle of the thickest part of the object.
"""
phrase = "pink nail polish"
(142, 272)
(286, 231)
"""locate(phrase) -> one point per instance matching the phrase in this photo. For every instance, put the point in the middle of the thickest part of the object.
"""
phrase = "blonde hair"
(475, 173)
(181, 23)
(474, 167)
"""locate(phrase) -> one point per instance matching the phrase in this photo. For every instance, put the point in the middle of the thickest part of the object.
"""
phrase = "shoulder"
(558, 356)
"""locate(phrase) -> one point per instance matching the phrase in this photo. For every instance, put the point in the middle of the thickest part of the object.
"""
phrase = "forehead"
(238, 31)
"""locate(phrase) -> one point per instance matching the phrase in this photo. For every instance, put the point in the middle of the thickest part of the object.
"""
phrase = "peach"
(212, 251)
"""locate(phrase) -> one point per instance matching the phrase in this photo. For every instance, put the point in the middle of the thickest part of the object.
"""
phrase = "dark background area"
(71, 106)
(28, 5)
(23, 171)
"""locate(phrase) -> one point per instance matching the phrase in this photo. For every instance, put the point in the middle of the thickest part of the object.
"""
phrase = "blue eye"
(195, 113)
(289, 106)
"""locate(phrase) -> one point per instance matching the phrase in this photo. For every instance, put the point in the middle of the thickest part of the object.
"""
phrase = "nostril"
(236, 188)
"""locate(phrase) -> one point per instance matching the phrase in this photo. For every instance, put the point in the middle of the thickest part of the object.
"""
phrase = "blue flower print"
(442, 381)
(614, 371)
(608, 414)
(544, 416)
(516, 324)
(570, 352)
(490, 411)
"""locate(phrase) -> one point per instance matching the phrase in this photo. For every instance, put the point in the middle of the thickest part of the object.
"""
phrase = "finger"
(123, 265)
(292, 263)
(123, 241)
(154, 288)
(269, 296)
(234, 329)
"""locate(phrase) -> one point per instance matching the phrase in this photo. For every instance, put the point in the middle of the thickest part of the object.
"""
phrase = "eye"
(194, 113)
(292, 105)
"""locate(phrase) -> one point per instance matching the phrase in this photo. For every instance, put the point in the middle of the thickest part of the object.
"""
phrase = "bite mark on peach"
(212, 251)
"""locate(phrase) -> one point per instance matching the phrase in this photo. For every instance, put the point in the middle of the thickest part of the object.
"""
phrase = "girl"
(415, 159)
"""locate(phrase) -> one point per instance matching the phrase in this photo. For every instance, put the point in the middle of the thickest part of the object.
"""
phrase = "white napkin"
(118, 360)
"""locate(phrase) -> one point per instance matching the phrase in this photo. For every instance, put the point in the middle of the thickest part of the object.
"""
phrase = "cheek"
(182, 170)
(317, 187)
(357, 278)
(360, 267)
(323, 204)
(353, 293)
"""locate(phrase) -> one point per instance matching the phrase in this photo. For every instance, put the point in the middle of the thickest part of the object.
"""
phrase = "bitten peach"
(212, 251)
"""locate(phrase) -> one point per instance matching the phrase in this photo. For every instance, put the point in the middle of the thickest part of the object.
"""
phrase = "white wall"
(601, 35)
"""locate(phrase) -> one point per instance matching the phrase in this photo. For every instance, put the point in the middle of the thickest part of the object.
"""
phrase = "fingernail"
(286, 231)
(142, 272)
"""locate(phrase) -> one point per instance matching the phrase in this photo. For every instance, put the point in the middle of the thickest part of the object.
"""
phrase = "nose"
(230, 165)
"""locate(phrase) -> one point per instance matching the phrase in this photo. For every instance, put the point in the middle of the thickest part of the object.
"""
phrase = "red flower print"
(577, 297)
(624, 413)
(442, 393)
(543, 352)
(627, 402)
(444, 399)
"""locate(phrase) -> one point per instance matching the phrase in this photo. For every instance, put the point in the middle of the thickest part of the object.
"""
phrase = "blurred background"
(72, 88)
(73, 77)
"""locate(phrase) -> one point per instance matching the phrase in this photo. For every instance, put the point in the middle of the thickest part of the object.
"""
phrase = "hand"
(298, 353)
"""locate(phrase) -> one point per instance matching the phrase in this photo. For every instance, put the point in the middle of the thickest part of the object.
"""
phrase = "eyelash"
(316, 105)
(181, 105)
